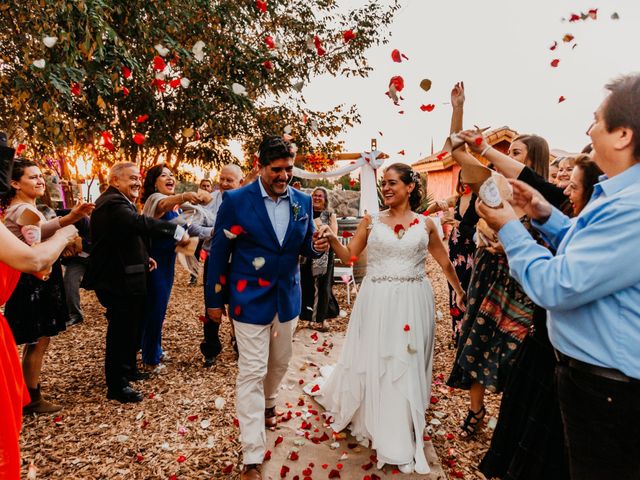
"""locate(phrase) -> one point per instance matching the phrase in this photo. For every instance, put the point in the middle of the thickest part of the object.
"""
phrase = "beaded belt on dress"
(395, 278)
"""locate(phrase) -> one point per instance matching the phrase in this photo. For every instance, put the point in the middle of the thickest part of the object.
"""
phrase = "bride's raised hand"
(324, 231)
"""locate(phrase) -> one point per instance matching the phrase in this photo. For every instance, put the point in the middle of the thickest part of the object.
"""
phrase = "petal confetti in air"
(261, 5)
(162, 51)
(567, 38)
(198, 50)
(236, 229)
(228, 469)
(561, 99)
(425, 84)
(427, 108)
(76, 89)
(406, 328)
(270, 42)
(174, 83)
(615, 16)
(263, 283)
(395, 56)
(142, 118)
(159, 64)
(107, 141)
(554, 46)
(139, 138)
(268, 65)
(401, 152)
(397, 82)
(21, 148)
(238, 89)
(126, 72)
(49, 42)
(258, 262)
(555, 62)
(40, 63)
(237, 310)
(241, 285)
(348, 35)
(185, 82)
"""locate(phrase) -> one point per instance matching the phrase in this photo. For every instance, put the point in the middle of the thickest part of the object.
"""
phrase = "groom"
(260, 231)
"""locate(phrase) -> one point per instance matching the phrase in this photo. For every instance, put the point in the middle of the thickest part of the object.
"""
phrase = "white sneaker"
(407, 467)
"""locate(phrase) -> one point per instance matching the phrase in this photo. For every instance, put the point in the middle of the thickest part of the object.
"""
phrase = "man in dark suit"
(263, 228)
(118, 269)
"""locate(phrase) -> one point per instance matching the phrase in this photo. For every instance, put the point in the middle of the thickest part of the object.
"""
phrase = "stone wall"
(345, 203)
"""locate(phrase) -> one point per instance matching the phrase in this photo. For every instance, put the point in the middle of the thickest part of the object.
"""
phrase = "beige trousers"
(264, 354)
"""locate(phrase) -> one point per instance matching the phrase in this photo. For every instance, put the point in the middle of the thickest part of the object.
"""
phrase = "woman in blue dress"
(161, 201)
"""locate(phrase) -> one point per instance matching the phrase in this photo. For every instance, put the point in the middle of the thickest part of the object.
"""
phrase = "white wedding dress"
(381, 385)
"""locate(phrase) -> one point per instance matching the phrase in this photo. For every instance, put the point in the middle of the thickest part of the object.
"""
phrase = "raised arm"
(170, 201)
(457, 104)
(504, 164)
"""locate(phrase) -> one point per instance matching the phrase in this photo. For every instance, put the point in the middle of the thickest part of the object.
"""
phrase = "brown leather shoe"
(251, 472)
(270, 417)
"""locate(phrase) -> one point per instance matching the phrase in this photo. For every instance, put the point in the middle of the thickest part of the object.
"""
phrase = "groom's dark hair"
(273, 148)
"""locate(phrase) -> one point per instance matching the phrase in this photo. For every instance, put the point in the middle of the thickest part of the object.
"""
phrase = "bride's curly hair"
(409, 176)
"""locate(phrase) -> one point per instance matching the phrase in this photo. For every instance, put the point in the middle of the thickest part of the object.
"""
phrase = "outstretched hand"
(496, 218)
(530, 201)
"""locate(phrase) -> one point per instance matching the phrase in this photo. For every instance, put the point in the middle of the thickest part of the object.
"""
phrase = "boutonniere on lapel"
(295, 209)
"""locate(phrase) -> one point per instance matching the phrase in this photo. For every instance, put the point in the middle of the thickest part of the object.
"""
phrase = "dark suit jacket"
(119, 260)
(256, 293)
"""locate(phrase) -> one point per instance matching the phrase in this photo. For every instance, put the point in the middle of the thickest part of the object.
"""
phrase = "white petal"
(298, 86)
(219, 403)
(288, 129)
(198, 50)
(49, 42)
(229, 235)
(258, 262)
(185, 82)
(162, 51)
(39, 63)
(204, 424)
(239, 89)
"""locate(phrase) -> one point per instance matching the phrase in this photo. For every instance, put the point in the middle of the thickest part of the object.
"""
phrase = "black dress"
(528, 441)
(462, 249)
(37, 308)
(318, 301)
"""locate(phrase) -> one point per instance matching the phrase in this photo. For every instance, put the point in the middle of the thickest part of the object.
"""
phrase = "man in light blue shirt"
(591, 288)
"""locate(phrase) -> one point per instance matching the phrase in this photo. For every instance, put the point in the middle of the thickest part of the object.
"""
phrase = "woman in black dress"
(462, 247)
(316, 276)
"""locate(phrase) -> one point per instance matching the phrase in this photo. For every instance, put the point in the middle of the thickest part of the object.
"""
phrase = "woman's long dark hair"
(149, 185)
(409, 176)
(590, 174)
(537, 153)
(19, 166)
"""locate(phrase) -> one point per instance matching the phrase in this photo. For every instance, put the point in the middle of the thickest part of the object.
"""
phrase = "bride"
(382, 382)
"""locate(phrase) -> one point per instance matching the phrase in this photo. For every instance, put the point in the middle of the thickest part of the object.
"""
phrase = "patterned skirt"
(498, 318)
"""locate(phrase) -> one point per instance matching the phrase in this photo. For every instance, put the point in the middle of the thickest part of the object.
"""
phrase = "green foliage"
(97, 39)
(346, 182)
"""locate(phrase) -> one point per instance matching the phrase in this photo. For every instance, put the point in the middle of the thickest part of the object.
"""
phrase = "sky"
(500, 49)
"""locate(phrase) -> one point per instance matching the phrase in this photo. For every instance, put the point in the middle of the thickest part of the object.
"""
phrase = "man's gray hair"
(236, 170)
(118, 168)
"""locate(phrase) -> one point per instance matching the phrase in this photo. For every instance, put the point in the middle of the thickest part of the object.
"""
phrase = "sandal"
(469, 427)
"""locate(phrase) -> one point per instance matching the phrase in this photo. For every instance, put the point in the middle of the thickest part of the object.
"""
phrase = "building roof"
(443, 160)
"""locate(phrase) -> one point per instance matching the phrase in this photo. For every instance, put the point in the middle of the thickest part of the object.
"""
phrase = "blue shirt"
(278, 211)
(591, 287)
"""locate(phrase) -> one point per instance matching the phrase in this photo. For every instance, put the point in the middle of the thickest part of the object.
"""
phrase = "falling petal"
(162, 51)
(39, 63)
(198, 50)
(49, 42)
(238, 89)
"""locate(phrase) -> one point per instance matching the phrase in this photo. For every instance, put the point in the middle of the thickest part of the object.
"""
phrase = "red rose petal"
(267, 455)
(75, 88)
(158, 63)
(181, 459)
(554, 46)
(561, 99)
(126, 72)
(555, 62)
(395, 56)
(223, 280)
(125, 91)
(401, 152)
(263, 283)
(241, 285)
(279, 440)
(228, 469)
(407, 327)
(283, 471)
(433, 400)
(294, 456)
(348, 35)
(138, 138)
(236, 229)
(174, 83)
(268, 65)
(334, 474)
(427, 108)
(347, 234)
(397, 82)
(261, 5)
(142, 118)
(269, 41)
(237, 310)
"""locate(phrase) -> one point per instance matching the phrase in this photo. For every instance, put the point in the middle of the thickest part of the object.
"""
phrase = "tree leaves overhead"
(99, 74)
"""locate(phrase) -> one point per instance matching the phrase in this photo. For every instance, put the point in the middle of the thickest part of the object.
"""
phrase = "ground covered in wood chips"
(184, 429)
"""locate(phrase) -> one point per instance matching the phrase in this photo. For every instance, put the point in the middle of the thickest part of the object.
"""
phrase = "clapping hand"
(81, 209)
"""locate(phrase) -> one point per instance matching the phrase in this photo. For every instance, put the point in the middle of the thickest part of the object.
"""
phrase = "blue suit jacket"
(272, 288)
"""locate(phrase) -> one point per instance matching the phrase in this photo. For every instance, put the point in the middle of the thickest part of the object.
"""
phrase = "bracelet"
(486, 149)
